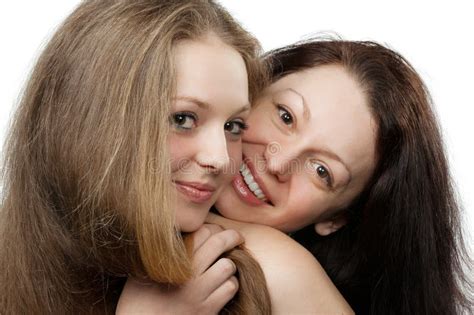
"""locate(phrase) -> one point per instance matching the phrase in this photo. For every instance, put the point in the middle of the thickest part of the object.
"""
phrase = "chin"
(188, 227)
(191, 222)
(229, 204)
(223, 207)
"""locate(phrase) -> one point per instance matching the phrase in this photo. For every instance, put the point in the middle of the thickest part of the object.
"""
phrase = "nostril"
(210, 169)
(213, 164)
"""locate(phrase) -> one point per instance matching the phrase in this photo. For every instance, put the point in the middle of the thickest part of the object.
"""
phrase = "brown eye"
(322, 172)
(235, 127)
(285, 116)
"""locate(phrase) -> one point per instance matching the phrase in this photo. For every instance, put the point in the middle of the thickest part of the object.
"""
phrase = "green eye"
(185, 121)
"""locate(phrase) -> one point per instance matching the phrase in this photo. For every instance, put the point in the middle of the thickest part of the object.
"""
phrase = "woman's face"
(208, 117)
(308, 152)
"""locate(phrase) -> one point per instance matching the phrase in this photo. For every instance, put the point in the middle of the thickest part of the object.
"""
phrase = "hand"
(211, 288)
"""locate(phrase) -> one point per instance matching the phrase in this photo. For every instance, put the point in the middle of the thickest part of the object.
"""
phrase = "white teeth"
(250, 181)
(253, 187)
(248, 178)
(260, 195)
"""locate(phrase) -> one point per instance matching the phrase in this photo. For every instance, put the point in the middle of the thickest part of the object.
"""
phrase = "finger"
(216, 275)
(222, 295)
(213, 247)
(203, 233)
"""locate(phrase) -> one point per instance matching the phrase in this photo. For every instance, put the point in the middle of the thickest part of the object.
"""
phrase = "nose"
(212, 153)
(282, 161)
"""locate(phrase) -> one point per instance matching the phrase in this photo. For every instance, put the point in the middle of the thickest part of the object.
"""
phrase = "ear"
(331, 225)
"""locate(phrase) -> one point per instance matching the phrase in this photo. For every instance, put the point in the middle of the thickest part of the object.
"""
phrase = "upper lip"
(257, 178)
(196, 185)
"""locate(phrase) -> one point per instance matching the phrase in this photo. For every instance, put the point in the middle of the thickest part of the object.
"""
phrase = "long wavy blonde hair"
(86, 178)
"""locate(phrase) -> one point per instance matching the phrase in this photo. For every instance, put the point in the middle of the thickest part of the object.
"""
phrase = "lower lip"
(244, 192)
(193, 194)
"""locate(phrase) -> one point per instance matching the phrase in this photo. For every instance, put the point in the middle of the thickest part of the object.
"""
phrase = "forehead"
(339, 116)
(210, 70)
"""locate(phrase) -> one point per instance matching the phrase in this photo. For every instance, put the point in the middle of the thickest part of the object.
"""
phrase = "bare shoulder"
(295, 279)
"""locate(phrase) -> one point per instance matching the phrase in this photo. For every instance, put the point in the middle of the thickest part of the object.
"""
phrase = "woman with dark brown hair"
(344, 151)
(120, 125)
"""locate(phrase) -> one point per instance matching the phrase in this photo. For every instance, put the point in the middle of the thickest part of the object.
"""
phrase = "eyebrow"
(306, 111)
(201, 104)
(205, 105)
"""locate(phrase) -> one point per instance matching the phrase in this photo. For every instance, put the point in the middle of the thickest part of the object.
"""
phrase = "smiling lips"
(196, 192)
(246, 186)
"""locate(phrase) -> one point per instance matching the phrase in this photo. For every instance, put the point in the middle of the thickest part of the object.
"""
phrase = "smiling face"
(206, 123)
(309, 151)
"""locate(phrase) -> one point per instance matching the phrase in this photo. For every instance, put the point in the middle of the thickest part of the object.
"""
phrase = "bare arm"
(296, 281)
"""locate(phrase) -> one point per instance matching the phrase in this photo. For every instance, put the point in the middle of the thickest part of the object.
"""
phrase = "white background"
(436, 37)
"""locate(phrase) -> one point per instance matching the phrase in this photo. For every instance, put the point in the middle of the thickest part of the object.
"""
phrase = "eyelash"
(328, 178)
(175, 116)
(241, 124)
(179, 115)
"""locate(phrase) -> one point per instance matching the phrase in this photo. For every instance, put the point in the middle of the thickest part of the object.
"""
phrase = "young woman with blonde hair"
(109, 140)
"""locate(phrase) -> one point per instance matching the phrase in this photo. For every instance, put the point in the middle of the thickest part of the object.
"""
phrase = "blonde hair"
(86, 197)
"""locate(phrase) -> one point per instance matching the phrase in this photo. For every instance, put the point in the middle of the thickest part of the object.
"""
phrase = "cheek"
(309, 203)
(190, 217)
(227, 203)
(261, 126)
(180, 149)
(234, 149)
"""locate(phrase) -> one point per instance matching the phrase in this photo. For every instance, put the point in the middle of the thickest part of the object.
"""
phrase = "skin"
(312, 165)
(297, 283)
(206, 123)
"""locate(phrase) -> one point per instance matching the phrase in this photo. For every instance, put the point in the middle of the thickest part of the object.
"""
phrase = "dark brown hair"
(402, 250)
(86, 197)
